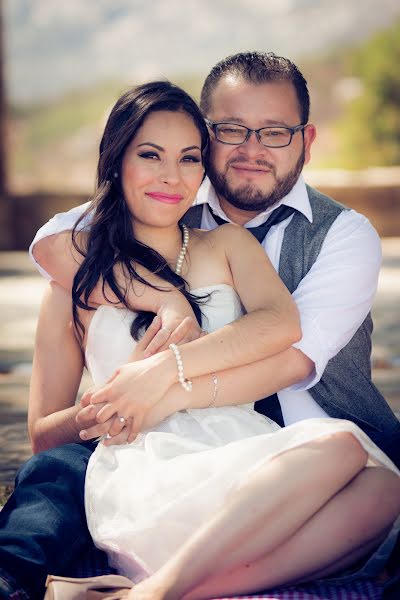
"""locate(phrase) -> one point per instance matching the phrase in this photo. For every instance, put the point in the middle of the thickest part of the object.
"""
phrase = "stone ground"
(20, 293)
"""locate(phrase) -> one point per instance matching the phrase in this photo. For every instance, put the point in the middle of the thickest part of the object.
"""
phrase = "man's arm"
(60, 222)
(337, 294)
(333, 300)
(59, 260)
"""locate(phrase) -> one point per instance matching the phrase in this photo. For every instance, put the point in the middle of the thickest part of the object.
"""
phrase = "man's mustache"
(258, 163)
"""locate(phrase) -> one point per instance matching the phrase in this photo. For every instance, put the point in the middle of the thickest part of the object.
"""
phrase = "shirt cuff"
(39, 236)
(311, 344)
(60, 222)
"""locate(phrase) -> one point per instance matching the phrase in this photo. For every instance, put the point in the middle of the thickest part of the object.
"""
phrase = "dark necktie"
(270, 406)
(279, 214)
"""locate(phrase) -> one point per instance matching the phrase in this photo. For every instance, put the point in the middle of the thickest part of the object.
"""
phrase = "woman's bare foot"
(149, 589)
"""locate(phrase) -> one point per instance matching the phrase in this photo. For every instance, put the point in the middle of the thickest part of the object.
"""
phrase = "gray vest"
(345, 390)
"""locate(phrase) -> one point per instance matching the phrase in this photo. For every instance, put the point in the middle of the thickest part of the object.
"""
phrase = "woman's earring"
(115, 175)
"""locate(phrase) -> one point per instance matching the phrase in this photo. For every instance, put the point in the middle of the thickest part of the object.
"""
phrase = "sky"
(53, 47)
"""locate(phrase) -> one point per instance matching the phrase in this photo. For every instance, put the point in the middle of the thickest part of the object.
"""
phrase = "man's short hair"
(257, 67)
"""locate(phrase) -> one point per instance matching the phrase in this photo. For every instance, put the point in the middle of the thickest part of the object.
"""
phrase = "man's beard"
(247, 197)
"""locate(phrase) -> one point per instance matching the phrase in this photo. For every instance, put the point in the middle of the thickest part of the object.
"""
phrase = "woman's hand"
(118, 388)
(133, 390)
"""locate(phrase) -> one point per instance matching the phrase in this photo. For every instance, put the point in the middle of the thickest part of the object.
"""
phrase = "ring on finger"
(167, 330)
(122, 420)
(108, 436)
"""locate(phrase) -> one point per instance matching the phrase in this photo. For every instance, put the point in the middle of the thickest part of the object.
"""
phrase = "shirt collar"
(297, 198)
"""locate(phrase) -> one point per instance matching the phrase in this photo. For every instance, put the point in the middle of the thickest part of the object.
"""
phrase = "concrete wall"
(31, 211)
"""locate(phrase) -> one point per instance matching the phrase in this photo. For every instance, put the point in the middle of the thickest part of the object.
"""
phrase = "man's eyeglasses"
(271, 137)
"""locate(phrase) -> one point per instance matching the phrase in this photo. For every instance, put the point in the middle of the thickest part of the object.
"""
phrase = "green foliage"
(370, 129)
(52, 122)
(45, 152)
(43, 130)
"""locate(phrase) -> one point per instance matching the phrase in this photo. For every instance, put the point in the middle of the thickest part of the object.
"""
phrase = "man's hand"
(118, 432)
(166, 328)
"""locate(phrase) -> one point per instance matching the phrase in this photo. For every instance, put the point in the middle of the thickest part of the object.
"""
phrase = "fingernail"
(83, 434)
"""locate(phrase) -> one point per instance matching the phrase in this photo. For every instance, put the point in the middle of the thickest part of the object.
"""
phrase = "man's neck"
(237, 215)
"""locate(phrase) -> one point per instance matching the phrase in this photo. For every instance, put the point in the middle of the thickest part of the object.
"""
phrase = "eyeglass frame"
(292, 130)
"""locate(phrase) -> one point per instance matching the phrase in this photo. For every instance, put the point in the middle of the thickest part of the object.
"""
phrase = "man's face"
(250, 177)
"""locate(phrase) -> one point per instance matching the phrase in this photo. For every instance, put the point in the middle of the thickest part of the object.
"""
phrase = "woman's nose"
(170, 173)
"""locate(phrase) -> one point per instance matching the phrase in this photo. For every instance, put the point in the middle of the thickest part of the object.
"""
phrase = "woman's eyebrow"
(191, 148)
(161, 149)
(151, 144)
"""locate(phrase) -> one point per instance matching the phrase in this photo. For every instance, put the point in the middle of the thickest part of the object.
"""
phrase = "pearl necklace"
(182, 253)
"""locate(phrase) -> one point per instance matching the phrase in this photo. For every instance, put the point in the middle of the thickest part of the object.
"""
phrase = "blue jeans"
(43, 525)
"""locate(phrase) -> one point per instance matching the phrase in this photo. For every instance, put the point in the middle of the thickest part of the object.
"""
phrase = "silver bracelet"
(185, 383)
(215, 391)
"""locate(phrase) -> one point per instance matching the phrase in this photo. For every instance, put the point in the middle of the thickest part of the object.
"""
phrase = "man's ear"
(310, 133)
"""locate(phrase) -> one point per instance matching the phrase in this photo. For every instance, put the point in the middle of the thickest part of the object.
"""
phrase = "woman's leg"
(279, 498)
(344, 530)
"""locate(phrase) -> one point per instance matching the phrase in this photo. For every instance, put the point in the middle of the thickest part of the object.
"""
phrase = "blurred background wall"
(63, 64)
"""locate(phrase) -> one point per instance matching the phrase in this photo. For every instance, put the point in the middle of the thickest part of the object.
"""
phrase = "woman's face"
(162, 169)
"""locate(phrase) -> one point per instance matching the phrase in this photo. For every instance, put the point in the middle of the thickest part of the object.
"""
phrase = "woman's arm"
(56, 375)
(240, 385)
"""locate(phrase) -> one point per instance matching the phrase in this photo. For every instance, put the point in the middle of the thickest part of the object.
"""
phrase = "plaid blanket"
(94, 562)
(358, 590)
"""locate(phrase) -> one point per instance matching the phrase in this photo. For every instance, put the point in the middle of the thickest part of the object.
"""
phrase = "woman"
(210, 481)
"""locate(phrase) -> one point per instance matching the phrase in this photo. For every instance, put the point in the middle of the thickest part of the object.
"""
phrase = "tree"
(370, 128)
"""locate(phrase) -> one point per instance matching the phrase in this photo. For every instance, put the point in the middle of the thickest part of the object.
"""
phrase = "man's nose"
(252, 146)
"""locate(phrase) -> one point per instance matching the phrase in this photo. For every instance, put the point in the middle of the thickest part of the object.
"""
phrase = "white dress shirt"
(333, 299)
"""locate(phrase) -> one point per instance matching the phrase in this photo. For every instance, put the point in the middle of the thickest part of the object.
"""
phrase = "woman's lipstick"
(166, 198)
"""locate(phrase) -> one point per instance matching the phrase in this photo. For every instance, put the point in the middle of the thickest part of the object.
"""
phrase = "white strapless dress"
(144, 499)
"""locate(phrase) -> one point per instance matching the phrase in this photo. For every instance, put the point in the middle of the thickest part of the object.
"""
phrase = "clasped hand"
(136, 387)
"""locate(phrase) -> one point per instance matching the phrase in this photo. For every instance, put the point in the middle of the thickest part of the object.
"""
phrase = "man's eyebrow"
(240, 121)
(237, 120)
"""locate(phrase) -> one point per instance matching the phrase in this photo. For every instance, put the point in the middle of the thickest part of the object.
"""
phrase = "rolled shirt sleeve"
(337, 293)
(60, 222)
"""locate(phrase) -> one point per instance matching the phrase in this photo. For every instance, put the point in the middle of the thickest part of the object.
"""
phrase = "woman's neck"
(167, 241)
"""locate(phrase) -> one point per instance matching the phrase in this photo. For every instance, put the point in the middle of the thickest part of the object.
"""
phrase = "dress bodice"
(109, 342)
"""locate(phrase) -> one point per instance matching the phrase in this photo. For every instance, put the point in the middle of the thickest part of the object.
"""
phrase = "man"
(257, 109)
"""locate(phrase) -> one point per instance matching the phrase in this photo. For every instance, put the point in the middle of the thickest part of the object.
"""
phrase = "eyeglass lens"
(237, 134)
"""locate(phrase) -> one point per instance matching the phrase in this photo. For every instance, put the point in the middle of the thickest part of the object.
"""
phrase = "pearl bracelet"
(185, 383)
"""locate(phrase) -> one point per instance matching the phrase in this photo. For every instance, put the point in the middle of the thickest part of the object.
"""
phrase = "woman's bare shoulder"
(228, 233)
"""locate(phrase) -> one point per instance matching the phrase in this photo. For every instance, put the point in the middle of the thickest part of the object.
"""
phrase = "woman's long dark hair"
(110, 239)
